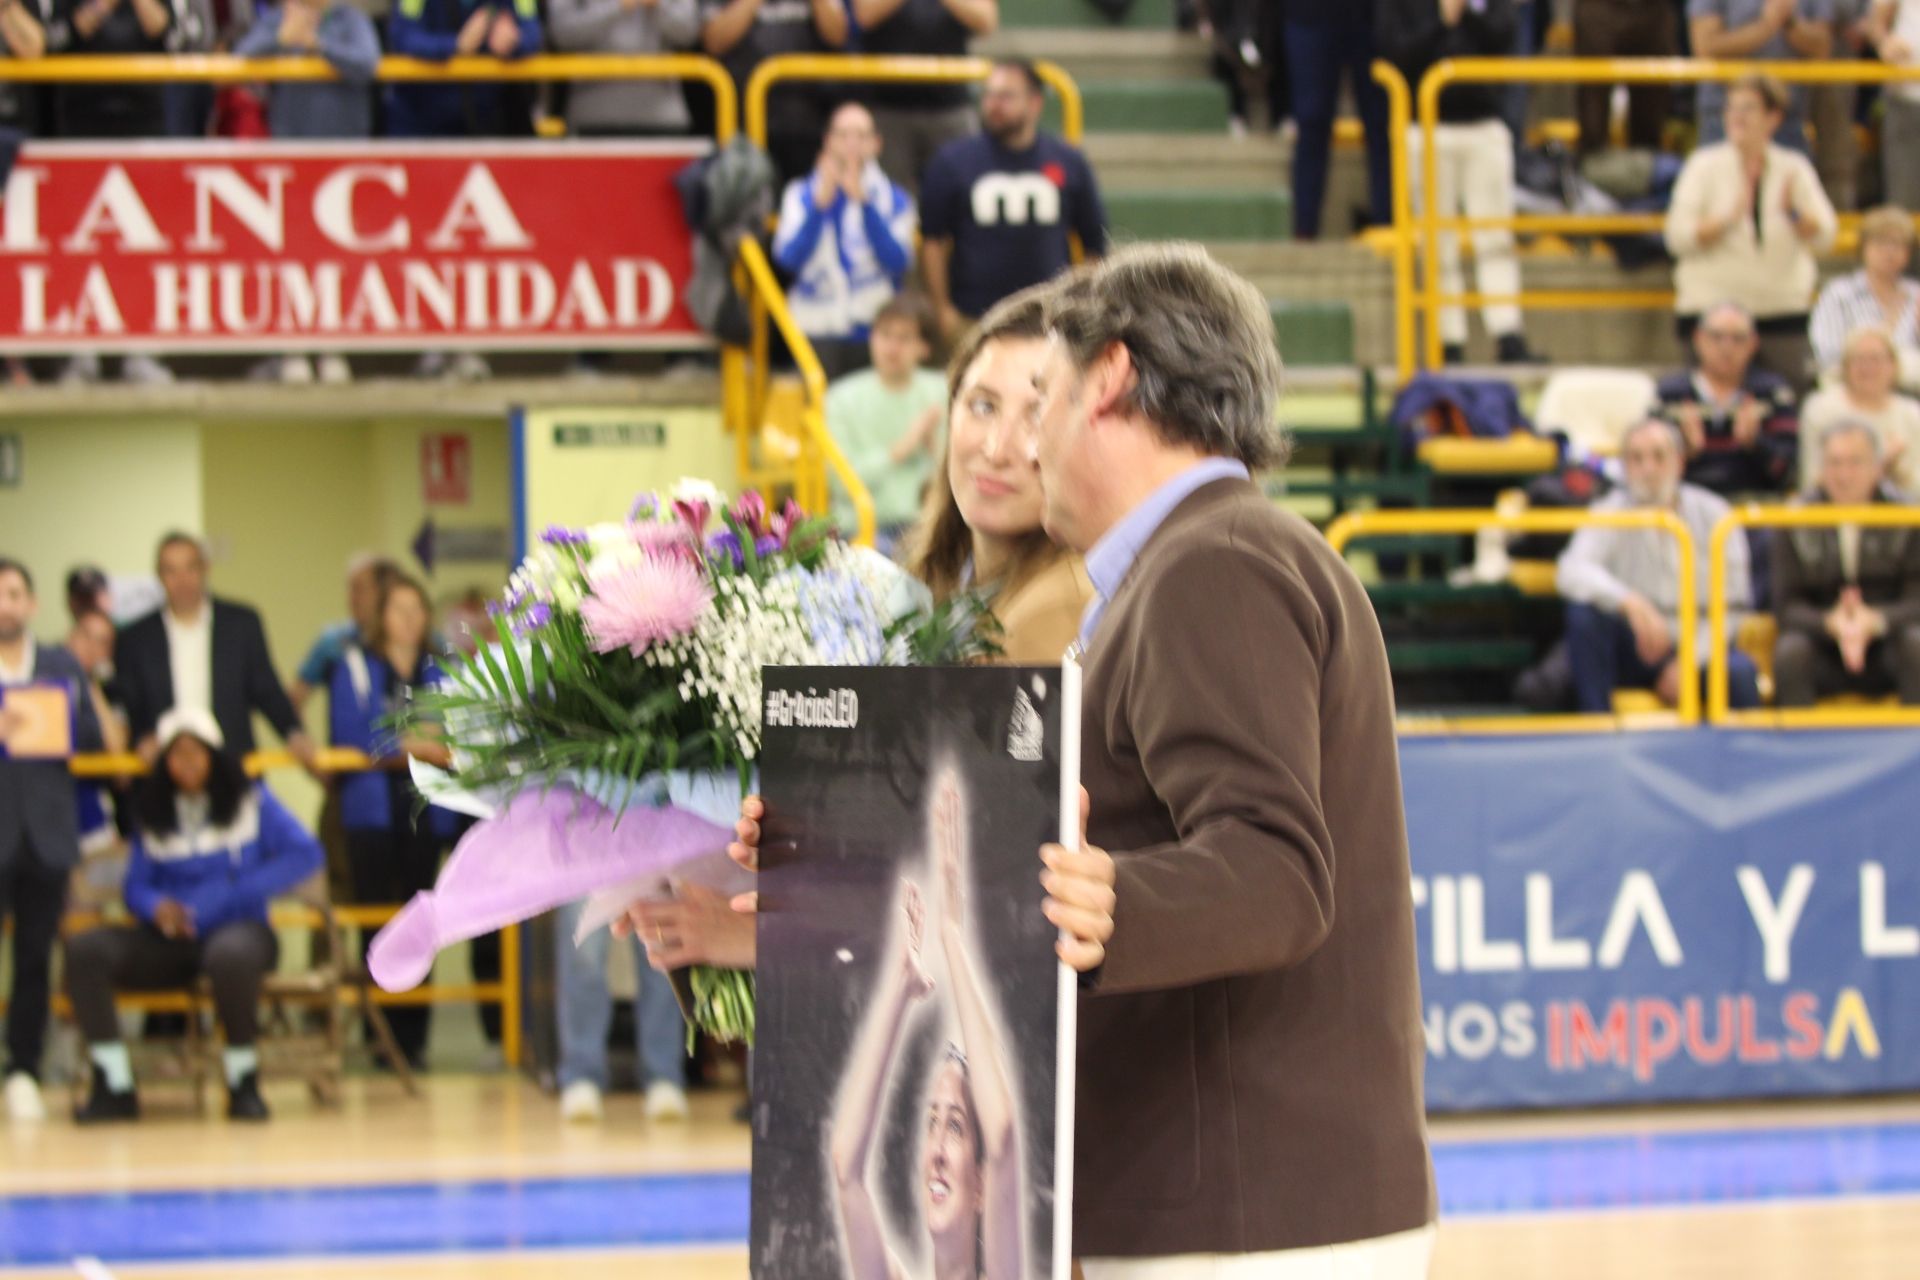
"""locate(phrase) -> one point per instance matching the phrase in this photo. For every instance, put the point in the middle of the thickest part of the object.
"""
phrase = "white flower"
(694, 489)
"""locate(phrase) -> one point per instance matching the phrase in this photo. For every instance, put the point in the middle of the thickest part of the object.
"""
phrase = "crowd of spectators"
(193, 851)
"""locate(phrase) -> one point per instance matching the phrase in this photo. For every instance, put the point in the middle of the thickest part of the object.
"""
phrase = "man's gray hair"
(1729, 306)
(1668, 430)
(1851, 427)
(1206, 369)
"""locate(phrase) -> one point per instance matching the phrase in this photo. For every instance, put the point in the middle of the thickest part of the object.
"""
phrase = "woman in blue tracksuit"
(393, 848)
(210, 850)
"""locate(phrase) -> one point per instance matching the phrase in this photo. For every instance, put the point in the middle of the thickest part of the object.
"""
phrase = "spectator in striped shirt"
(1879, 295)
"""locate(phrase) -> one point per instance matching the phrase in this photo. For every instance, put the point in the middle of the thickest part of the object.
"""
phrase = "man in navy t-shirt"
(996, 208)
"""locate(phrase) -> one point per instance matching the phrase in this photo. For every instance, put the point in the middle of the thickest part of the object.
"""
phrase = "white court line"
(92, 1269)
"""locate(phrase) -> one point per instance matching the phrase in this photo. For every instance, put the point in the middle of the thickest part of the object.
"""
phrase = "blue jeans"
(1317, 54)
(586, 1011)
(1600, 647)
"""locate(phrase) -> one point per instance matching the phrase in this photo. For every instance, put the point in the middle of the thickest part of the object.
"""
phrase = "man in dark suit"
(39, 839)
(1250, 1060)
(198, 651)
(1847, 598)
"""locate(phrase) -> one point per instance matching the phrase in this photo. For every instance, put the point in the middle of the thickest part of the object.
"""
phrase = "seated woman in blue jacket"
(210, 850)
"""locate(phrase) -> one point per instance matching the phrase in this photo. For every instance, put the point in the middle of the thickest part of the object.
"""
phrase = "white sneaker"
(580, 1103)
(334, 370)
(23, 1099)
(296, 371)
(667, 1103)
(469, 366)
(144, 371)
(83, 368)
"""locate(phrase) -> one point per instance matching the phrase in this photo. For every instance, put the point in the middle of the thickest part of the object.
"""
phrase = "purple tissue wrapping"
(544, 849)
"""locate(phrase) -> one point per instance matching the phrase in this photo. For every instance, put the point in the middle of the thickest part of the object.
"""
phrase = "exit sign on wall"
(446, 469)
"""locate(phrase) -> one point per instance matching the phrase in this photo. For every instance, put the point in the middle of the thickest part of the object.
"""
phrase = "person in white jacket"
(1746, 223)
(845, 239)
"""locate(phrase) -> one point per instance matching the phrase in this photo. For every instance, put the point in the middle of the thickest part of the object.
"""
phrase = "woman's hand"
(745, 848)
(919, 985)
(947, 855)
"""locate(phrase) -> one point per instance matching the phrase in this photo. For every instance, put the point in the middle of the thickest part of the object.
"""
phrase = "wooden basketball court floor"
(478, 1178)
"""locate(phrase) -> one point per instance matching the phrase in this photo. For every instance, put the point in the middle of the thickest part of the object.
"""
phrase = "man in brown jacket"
(1250, 1045)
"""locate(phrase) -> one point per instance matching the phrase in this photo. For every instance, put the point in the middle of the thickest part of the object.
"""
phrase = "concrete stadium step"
(1199, 215)
(1116, 53)
(1149, 106)
(1211, 161)
(1147, 15)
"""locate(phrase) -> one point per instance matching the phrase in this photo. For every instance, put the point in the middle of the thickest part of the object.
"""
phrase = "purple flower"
(728, 545)
(497, 608)
(766, 546)
(534, 619)
(645, 507)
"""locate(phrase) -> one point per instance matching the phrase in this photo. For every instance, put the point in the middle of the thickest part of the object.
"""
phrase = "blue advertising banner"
(1667, 915)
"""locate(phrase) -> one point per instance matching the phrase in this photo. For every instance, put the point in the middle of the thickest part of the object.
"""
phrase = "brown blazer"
(1040, 618)
(1251, 1051)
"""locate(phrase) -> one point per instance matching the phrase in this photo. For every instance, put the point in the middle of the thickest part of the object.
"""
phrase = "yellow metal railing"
(837, 68)
(1754, 516)
(1427, 226)
(1399, 122)
(819, 450)
(506, 992)
(1361, 524)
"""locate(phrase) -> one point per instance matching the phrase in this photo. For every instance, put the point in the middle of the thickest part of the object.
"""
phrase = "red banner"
(345, 246)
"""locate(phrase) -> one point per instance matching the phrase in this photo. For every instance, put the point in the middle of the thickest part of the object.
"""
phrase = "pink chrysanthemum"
(631, 608)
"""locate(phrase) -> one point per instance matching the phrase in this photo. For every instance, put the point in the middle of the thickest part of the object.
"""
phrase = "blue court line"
(1615, 1171)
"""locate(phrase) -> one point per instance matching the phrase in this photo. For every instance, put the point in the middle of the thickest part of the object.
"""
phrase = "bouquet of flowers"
(606, 734)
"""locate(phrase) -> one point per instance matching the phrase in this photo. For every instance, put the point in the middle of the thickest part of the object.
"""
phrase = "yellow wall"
(616, 455)
(281, 504)
(96, 492)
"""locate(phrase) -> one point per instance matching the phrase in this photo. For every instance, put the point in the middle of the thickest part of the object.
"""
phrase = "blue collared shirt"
(1112, 557)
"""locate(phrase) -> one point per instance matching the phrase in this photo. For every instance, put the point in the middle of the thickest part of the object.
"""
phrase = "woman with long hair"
(980, 531)
(969, 1159)
(210, 850)
(393, 849)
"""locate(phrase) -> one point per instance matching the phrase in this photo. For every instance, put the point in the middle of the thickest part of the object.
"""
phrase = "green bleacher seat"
(1199, 215)
(1149, 106)
(1406, 656)
(1313, 333)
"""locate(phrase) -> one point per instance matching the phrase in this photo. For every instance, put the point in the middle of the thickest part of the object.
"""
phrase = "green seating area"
(1199, 215)
(1149, 100)
(1149, 106)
